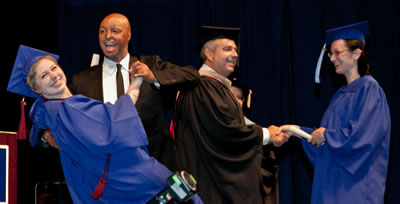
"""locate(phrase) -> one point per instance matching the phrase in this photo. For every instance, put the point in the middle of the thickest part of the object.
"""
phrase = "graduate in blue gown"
(104, 155)
(351, 148)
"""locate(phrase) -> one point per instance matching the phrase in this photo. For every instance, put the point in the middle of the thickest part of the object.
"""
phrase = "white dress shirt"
(109, 78)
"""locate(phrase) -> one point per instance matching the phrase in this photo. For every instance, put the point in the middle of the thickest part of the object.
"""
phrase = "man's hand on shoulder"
(142, 70)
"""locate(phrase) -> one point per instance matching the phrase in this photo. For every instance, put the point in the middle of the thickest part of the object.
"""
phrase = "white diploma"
(298, 132)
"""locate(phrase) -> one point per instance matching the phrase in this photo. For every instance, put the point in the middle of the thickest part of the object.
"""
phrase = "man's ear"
(209, 54)
(130, 36)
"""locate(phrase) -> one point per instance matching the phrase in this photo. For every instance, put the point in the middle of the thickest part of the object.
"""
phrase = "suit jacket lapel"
(132, 60)
(97, 81)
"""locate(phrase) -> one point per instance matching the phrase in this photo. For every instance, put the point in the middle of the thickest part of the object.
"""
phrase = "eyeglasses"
(336, 53)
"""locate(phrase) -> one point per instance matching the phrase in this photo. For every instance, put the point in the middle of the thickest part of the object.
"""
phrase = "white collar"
(206, 70)
(112, 65)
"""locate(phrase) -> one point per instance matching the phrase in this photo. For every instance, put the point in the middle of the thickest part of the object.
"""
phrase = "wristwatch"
(44, 142)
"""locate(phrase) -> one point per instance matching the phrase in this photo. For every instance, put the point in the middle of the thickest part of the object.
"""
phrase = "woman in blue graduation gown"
(351, 151)
(97, 140)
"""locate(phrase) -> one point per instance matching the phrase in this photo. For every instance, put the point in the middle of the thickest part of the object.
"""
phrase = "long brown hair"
(363, 62)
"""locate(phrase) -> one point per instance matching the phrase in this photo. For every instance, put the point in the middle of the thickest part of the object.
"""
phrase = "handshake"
(280, 135)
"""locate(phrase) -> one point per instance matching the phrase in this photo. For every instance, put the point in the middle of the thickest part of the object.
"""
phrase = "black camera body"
(181, 186)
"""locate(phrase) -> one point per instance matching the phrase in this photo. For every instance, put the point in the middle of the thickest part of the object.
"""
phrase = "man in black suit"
(157, 92)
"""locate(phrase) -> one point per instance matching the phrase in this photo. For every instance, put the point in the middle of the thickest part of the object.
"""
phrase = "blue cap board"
(353, 31)
(26, 57)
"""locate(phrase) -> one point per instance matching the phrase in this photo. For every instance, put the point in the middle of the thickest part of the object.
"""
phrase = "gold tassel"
(249, 99)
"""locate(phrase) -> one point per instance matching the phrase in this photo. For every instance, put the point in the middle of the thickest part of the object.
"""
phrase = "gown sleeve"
(309, 149)
(37, 113)
(225, 132)
(357, 127)
(100, 127)
(171, 74)
(212, 113)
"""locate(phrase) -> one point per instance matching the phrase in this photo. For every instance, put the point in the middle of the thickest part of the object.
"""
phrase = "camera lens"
(189, 180)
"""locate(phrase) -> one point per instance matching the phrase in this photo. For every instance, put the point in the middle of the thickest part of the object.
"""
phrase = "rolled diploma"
(298, 132)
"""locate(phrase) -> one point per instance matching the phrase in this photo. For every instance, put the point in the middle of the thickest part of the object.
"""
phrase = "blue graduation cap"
(26, 57)
(353, 31)
(356, 31)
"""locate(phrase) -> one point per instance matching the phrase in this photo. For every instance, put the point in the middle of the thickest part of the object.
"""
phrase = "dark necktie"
(120, 81)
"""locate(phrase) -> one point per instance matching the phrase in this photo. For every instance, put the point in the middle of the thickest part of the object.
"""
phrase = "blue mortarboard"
(26, 57)
(354, 31)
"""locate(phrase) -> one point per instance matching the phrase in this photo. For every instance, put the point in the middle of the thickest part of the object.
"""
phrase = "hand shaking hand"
(277, 139)
(316, 138)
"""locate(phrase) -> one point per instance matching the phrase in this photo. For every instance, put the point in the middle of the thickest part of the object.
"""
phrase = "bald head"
(114, 36)
(117, 18)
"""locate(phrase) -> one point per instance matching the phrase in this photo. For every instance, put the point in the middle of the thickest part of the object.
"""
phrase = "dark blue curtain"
(280, 44)
(279, 47)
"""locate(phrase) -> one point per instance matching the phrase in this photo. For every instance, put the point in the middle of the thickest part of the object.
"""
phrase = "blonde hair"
(30, 79)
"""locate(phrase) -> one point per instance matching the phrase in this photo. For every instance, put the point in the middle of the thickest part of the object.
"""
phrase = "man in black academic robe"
(213, 142)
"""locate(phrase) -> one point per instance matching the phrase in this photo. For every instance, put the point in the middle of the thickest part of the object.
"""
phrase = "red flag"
(21, 134)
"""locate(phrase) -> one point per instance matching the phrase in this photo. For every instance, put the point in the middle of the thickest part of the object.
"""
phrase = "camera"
(181, 186)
